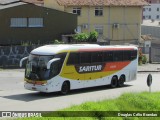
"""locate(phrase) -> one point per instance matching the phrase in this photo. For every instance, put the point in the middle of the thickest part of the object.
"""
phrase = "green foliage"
(127, 102)
(26, 43)
(85, 37)
(93, 36)
(144, 59)
(140, 57)
(58, 42)
(81, 37)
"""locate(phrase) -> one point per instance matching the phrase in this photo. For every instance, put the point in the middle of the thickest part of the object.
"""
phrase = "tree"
(93, 36)
(81, 37)
(85, 37)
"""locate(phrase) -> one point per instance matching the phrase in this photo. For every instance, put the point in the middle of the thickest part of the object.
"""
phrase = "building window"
(149, 17)
(26, 22)
(35, 22)
(98, 11)
(149, 9)
(144, 17)
(77, 11)
(99, 29)
(144, 9)
(18, 22)
(157, 9)
(157, 17)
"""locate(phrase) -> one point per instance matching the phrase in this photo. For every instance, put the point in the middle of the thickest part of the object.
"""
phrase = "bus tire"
(121, 81)
(114, 82)
(65, 88)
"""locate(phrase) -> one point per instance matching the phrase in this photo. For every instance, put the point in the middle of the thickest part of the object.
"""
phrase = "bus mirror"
(21, 61)
(51, 61)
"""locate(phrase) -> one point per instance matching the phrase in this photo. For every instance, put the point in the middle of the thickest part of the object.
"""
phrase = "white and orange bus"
(62, 68)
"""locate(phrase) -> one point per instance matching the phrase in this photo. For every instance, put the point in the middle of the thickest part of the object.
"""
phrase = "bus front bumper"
(41, 88)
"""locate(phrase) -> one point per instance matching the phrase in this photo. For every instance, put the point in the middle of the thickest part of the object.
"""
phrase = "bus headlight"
(44, 84)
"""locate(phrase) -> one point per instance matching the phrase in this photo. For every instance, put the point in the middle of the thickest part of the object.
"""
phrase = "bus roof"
(54, 49)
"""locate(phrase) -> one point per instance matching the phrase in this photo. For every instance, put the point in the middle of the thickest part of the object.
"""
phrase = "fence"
(155, 55)
(10, 56)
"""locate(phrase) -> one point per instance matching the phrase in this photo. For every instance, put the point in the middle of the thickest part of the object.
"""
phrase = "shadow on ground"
(27, 97)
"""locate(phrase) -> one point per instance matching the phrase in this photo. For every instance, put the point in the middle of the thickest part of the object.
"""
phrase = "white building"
(151, 12)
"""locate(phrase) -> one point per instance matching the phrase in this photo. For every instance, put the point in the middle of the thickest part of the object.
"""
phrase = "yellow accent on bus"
(69, 72)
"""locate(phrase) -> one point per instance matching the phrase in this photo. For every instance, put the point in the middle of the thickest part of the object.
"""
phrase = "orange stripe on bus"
(36, 82)
(115, 66)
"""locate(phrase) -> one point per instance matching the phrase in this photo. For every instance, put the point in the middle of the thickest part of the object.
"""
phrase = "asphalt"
(13, 96)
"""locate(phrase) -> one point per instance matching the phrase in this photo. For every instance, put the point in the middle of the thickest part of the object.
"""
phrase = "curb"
(147, 71)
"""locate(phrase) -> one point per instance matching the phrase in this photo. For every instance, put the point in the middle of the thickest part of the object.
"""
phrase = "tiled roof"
(7, 2)
(146, 37)
(34, 1)
(102, 2)
(4, 2)
(11, 5)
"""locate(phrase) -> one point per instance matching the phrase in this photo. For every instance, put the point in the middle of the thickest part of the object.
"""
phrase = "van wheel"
(65, 88)
(114, 82)
(121, 81)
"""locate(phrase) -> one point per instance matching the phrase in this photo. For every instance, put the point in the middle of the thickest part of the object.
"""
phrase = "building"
(117, 22)
(152, 11)
(153, 1)
(28, 23)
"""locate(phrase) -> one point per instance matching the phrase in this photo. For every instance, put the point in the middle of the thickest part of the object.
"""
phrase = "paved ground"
(149, 68)
(13, 97)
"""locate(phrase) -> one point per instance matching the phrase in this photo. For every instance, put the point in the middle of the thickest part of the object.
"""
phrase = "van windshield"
(36, 68)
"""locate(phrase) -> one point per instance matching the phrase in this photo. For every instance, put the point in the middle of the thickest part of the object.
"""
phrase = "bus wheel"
(121, 81)
(65, 88)
(114, 82)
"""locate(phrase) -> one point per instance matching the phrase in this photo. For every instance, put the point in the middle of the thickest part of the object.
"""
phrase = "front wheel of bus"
(114, 82)
(65, 88)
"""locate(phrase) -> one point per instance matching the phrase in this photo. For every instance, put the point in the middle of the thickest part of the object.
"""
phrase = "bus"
(62, 68)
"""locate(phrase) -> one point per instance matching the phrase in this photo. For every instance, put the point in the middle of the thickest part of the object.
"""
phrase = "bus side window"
(85, 57)
(97, 57)
(74, 58)
(133, 54)
(126, 55)
(117, 55)
(108, 56)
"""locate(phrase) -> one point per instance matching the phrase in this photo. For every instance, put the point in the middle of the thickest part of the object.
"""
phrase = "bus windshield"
(36, 68)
